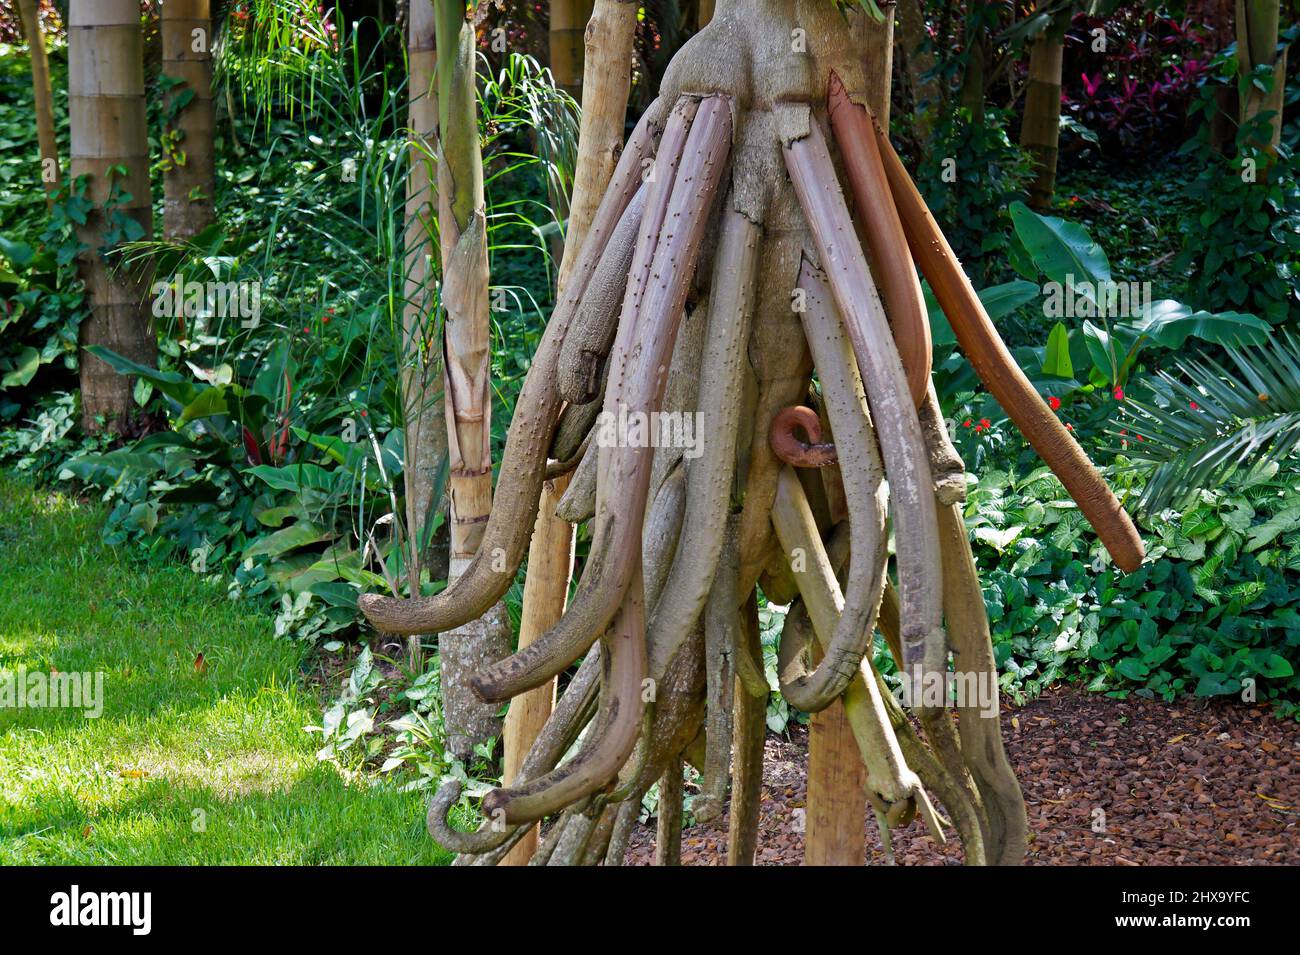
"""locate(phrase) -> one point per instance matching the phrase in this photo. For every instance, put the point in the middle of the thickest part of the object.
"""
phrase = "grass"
(185, 766)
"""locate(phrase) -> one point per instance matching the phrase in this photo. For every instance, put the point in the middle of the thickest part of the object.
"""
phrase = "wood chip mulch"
(1106, 782)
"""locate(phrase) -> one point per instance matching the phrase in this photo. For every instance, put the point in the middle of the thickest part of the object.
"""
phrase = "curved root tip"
(485, 840)
(385, 613)
(787, 445)
(950, 490)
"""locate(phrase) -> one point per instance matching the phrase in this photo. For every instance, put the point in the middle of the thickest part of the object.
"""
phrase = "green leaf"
(1000, 300)
(1131, 668)
(1062, 250)
(1057, 361)
(209, 402)
(286, 539)
(173, 385)
(1099, 350)
(19, 253)
(296, 477)
(1171, 323)
(29, 362)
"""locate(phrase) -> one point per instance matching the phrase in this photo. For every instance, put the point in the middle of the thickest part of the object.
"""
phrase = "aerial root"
(572, 712)
(747, 754)
(812, 173)
(668, 829)
(979, 728)
(608, 746)
(807, 452)
(988, 355)
(722, 643)
(946, 466)
(709, 477)
(889, 777)
(692, 157)
(523, 464)
(891, 264)
(580, 374)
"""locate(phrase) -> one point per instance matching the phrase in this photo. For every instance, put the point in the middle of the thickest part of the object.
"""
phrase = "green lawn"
(183, 767)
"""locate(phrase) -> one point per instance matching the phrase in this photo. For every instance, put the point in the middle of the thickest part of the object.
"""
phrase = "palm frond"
(1209, 422)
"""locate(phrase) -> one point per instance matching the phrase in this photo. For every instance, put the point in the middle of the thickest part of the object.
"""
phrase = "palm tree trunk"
(1257, 34)
(607, 80)
(51, 177)
(919, 62)
(106, 109)
(189, 181)
(466, 369)
(971, 95)
(423, 419)
(568, 25)
(1040, 130)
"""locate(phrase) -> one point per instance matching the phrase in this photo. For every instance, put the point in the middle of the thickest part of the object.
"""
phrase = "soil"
(1106, 782)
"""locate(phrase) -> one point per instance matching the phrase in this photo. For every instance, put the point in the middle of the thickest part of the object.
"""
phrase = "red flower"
(985, 423)
(1069, 427)
(1194, 406)
(363, 414)
(966, 423)
(1053, 402)
(1119, 393)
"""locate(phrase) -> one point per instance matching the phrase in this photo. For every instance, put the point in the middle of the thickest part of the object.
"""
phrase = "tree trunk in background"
(972, 81)
(607, 79)
(1217, 16)
(1040, 130)
(605, 88)
(51, 177)
(1257, 34)
(919, 61)
(466, 371)
(423, 419)
(106, 111)
(188, 184)
(568, 25)
(703, 14)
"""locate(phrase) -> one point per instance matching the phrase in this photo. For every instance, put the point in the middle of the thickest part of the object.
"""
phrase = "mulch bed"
(1190, 783)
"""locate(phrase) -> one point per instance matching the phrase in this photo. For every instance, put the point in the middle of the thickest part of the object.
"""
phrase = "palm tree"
(189, 176)
(1211, 420)
(1040, 130)
(110, 148)
(51, 177)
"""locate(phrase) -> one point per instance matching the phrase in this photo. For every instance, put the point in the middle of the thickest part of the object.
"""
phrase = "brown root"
(709, 477)
(721, 642)
(668, 835)
(806, 452)
(580, 372)
(897, 425)
(987, 353)
(981, 735)
(747, 755)
(615, 733)
(680, 196)
(890, 261)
